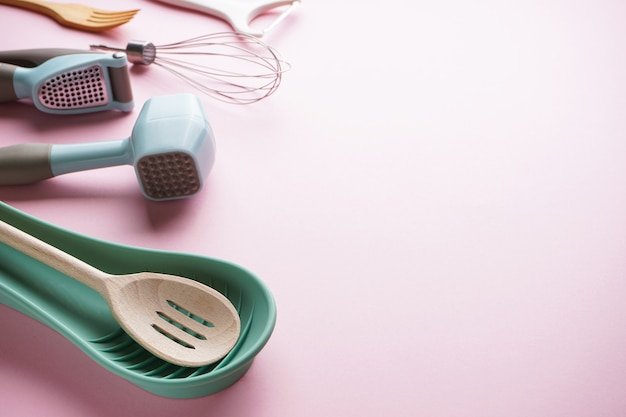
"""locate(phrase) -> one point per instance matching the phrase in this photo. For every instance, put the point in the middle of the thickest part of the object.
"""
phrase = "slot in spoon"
(177, 319)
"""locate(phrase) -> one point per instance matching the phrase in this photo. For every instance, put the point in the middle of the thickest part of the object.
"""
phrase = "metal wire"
(228, 66)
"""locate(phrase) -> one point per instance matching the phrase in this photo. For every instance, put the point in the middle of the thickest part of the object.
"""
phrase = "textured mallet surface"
(167, 175)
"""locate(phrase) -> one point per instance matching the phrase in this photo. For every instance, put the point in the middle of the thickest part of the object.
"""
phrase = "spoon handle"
(53, 257)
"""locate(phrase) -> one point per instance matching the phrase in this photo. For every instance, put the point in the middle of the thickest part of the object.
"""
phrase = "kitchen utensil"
(76, 16)
(230, 67)
(66, 81)
(176, 319)
(239, 14)
(171, 147)
(83, 317)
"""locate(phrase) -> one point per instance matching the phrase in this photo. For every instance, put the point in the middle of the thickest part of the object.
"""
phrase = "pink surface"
(436, 196)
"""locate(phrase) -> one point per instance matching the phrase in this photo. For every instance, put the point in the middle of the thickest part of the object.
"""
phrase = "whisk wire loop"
(229, 66)
(219, 86)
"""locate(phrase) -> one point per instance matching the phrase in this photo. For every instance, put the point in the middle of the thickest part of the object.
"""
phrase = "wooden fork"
(76, 16)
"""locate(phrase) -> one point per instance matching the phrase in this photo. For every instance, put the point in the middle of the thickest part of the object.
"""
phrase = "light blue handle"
(84, 156)
(27, 81)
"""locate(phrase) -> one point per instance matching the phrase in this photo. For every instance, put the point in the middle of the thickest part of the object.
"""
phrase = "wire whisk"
(228, 66)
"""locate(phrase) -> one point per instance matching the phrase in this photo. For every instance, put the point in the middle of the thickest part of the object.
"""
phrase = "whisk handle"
(137, 52)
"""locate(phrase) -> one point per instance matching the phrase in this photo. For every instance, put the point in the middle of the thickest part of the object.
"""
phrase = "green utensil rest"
(83, 317)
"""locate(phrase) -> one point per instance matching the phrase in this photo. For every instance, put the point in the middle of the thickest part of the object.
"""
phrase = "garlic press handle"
(29, 58)
(10, 61)
(7, 87)
(239, 14)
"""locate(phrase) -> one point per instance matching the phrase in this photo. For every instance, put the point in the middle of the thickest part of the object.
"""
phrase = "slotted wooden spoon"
(77, 16)
(177, 319)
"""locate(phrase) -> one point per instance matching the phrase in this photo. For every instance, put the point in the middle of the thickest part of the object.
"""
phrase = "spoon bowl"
(177, 319)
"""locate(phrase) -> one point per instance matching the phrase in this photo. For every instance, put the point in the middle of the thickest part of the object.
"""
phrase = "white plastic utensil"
(177, 319)
(239, 14)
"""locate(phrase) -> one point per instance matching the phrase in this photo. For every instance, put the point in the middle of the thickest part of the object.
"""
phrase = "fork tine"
(102, 25)
(105, 13)
(112, 16)
(109, 20)
(106, 22)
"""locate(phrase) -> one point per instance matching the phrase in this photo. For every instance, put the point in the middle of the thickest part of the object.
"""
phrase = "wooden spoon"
(177, 319)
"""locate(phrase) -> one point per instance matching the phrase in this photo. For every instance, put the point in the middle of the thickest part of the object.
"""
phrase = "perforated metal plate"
(76, 89)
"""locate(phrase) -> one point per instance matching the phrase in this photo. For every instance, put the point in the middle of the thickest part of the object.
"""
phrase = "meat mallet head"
(173, 147)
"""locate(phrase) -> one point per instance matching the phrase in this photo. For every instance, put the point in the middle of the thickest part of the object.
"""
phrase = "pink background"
(436, 196)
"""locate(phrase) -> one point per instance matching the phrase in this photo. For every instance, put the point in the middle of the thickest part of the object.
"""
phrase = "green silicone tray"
(83, 317)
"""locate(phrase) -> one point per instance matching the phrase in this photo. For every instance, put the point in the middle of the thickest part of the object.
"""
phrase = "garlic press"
(66, 81)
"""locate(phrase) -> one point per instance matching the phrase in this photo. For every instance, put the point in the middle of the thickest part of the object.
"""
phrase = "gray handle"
(26, 58)
(30, 58)
(7, 90)
(25, 163)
